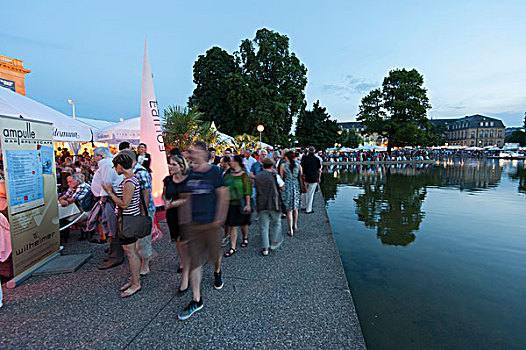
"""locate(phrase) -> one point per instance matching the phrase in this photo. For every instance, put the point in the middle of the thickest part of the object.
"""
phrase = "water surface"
(435, 255)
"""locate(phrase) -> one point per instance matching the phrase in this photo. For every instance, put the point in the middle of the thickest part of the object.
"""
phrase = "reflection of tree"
(393, 207)
(520, 175)
(393, 195)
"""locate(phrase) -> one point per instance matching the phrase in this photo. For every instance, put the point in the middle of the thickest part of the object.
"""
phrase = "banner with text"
(29, 168)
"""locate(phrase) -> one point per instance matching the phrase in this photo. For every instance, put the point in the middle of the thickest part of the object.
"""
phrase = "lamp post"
(260, 129)
(73, 104)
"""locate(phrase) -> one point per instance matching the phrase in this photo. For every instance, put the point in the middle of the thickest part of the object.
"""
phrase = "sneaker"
(264, 252)
(190, 309)
(180, 292)
(218, 283)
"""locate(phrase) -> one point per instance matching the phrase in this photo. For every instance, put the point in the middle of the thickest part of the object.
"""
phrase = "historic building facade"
(373, 139)
(476, 131)
(12, 73)
(470, 131)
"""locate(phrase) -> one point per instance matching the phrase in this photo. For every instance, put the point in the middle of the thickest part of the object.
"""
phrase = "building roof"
(477, 121)
(350, 125)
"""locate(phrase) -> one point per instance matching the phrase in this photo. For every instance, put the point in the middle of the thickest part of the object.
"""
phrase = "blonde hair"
(181, 161)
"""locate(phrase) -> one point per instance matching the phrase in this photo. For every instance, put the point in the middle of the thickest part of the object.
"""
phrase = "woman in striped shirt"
(128, 200)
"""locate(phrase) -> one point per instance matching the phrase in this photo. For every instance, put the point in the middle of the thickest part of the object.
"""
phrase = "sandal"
(230, 252)
(124, 287)
(128, 292)
(244, 244)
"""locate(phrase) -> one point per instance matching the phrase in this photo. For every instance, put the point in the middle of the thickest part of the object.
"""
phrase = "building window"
(492, 133)
(491, 124)
(500, 133)
(498, 143)
(481, 133)
(472, 134)
(486, 133)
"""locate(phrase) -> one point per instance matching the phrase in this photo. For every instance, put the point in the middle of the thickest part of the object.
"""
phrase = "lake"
(435, 255)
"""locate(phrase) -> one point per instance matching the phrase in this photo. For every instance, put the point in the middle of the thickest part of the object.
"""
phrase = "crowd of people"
(208, 199)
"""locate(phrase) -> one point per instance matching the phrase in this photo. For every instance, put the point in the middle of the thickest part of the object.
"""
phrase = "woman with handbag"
(290, 171)
(240, 208)
(128, 204)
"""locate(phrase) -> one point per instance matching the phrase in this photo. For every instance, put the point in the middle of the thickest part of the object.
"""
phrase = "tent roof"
(95, 124)
(65, 129)
(128, 130)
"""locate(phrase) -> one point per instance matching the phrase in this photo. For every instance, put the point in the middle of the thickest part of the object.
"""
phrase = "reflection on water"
(392, 195)
(434, 253)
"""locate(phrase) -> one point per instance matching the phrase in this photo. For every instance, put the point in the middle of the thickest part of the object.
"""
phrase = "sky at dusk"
(472, 54)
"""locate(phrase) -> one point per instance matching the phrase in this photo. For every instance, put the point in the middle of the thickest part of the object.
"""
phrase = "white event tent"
(128, 130)
(65, 129)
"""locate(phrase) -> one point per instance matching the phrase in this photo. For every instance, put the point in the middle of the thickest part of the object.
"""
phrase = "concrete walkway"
(295, 298)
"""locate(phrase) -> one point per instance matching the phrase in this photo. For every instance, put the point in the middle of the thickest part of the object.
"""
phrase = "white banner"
(151, 131)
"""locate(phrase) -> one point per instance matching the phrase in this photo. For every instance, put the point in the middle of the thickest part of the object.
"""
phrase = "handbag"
(243, 201)
(303, 187)
(136, 226)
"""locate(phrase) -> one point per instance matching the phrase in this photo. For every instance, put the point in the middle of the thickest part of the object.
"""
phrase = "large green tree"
(517, 136)
(350, 138)
(398, 111)
(315, 128)
(262, 83)
(210, 95)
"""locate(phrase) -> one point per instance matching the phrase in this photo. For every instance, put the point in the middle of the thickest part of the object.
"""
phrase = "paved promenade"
(295, 298)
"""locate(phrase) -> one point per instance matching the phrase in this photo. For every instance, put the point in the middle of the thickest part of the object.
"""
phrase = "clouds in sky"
(350, 85)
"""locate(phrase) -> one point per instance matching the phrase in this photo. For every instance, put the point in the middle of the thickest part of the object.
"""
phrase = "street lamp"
(260, 129)
(73, 104)
(121, 120)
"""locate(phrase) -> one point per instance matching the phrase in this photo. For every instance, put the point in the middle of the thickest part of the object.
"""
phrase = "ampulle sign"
(16, 135)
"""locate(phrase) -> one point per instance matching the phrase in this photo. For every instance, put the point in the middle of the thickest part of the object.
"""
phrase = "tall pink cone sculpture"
(151, 131)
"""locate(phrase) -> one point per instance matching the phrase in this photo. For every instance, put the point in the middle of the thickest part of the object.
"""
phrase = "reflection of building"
(12, 74)
(373, 139)
(475, 130)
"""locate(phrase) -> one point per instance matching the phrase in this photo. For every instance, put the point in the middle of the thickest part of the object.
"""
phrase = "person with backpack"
(269, 205)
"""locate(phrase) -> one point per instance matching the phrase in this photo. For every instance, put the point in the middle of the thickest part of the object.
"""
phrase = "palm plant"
(183, 126)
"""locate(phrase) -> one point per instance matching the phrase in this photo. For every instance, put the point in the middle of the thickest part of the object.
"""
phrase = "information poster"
(26, 183)
(31, 191)
(47, 159)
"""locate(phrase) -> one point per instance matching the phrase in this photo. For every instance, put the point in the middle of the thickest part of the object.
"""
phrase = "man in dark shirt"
(312, 171)
(202, 214)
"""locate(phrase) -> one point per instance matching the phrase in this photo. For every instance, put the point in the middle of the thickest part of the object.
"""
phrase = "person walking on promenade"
(104, 207)
(202, 214)
(128, 199)
(290, 172)
(173, 187)
(268, 203)
(144, 245)
(239, 208)
(312, 169)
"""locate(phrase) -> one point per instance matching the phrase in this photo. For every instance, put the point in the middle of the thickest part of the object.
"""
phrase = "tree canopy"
(398, 111)
(315, 128)
(262, 83)
(211, 72)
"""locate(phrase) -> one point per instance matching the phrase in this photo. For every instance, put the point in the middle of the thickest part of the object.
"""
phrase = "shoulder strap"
(142, 198)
